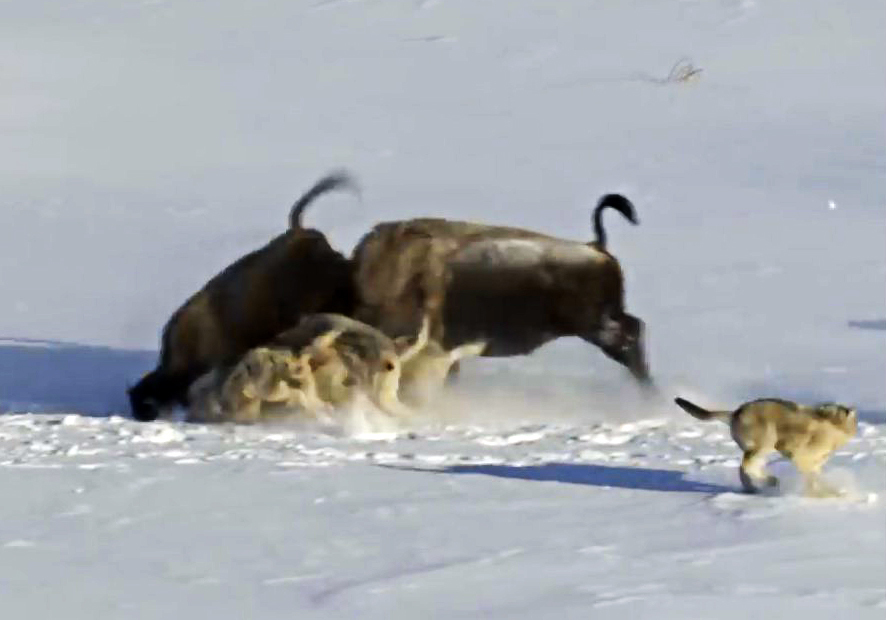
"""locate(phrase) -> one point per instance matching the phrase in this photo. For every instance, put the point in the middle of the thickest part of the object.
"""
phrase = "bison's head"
(145, 397)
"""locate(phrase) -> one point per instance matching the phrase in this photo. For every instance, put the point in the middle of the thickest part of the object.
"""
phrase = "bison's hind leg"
(621, 338)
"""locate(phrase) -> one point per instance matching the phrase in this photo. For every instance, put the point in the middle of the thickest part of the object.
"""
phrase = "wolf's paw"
(825, 492)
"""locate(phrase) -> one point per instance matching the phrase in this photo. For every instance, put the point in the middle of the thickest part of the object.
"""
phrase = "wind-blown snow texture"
(146, 145)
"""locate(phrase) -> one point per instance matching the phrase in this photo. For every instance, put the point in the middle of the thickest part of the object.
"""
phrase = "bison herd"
(296, 325)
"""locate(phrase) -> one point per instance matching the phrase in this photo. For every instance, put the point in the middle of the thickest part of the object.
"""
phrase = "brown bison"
(248, 303)
(514, 289)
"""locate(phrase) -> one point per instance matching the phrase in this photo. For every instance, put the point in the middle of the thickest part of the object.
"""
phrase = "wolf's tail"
(702, 414)
(472, 349)
(421, 341)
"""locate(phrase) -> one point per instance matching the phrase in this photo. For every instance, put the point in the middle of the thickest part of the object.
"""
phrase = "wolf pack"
(296, 328)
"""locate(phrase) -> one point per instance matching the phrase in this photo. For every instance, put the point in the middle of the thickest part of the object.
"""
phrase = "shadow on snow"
(46, 376)
(877, 325)
(640, 478)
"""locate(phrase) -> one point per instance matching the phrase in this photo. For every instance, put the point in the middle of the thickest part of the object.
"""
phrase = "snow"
(146, 145)
(441, 522)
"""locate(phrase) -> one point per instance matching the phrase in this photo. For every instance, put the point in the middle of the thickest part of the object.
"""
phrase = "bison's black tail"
(340, 179)
(620, 204)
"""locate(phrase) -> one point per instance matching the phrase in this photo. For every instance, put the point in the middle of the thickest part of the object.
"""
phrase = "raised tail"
(421, 341)
(472, 349)
(340, 179)
(702, 414)
(620, 204)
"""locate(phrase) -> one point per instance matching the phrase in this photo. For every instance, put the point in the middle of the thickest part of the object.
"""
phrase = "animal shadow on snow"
(46, 376)
(639, 478)
(877, 325)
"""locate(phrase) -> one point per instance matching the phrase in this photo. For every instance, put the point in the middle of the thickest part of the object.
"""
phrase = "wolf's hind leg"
(752, 474)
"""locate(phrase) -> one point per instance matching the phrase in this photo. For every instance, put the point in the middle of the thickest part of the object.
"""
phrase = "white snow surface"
(145, 145)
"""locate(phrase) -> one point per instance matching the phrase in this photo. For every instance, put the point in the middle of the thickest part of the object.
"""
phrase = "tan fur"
(353, 358)
(265, 381)
(424, 375)
(805, 434)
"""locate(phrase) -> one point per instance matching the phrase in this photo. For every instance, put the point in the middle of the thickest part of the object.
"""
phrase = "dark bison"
(251, 301)
(514, 289)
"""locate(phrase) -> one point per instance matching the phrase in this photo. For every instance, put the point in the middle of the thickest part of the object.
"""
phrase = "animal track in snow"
(119, 444)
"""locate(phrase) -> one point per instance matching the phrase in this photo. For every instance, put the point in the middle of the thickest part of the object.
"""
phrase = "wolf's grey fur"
(262, 380)
(355, 358)
(805, 434)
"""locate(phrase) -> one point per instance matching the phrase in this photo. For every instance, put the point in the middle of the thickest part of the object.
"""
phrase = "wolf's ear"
(326, 339)
(844, 413)
(317, 358)
(306, 361)
(839, 412)
(401, 343)
(830, 410)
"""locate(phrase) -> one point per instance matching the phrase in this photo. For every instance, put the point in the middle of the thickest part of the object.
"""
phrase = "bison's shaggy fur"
(248, 303)
(511, 288)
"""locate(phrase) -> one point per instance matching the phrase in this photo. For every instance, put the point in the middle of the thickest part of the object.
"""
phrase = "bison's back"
(514, 287)
(298, 274)
(258, 296)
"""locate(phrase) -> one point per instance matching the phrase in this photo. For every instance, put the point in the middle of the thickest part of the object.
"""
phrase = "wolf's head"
(840, 416)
